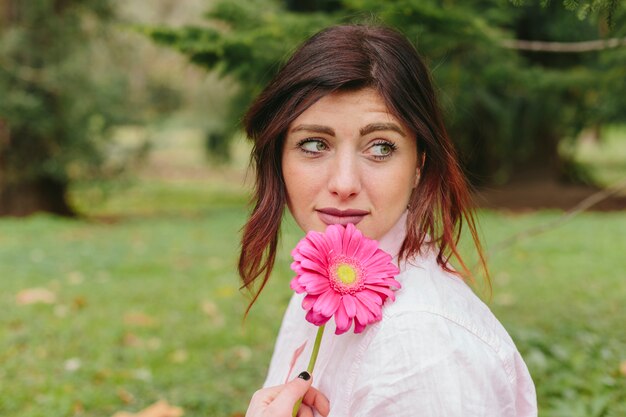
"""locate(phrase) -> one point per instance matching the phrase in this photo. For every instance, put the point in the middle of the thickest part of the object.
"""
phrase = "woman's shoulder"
(441, 339)
(439, 307)
(450, 365)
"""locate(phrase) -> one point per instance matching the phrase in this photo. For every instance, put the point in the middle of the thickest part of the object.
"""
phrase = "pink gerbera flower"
(344, 275)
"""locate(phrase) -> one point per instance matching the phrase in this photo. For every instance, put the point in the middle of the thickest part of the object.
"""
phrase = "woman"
(349, 131)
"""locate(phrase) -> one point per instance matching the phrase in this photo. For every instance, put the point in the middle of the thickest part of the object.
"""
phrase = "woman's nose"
(344, 180)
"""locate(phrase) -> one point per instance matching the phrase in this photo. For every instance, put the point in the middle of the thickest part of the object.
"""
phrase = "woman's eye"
(313, 145)
(382, 149)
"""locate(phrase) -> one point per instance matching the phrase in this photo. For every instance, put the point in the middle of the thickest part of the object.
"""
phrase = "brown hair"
(348, 58)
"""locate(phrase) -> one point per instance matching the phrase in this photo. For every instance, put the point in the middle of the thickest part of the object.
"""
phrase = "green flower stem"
(316, 350)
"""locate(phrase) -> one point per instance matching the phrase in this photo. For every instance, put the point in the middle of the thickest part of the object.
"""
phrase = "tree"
(508, 109)
(56, 106)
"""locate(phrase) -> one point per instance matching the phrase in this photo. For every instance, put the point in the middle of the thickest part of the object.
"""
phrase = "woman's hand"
(279, 401)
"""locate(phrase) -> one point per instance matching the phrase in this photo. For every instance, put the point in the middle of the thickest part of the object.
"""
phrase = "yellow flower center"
(346, 274)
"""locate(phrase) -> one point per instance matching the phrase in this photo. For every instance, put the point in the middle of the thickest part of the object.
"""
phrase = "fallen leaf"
(213, 312)
(215, 262)
(154, 343)
(72, 365)
(78, 408)
(179, 356)
(125, 396)
(35, 295)
(242, 353)
(505, 299)
(79, 303)
(158, 409)
(622, 368)
(139, 319)
(61, 310)
(142, 374)
(132, 340)
(210, 308)
(75, 278)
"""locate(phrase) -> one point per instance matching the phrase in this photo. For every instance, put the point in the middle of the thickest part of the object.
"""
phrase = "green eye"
(313, 145)
(382, 149)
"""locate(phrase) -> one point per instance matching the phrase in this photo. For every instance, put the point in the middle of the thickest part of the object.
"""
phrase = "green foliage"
(581, 8)
(248, 43)
(507, 109)
(57, 104)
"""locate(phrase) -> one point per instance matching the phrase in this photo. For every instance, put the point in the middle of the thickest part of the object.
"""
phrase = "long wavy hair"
(351, 57)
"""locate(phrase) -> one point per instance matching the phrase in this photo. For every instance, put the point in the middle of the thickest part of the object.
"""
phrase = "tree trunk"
(41, 195)
(22, 197)
(542, 163)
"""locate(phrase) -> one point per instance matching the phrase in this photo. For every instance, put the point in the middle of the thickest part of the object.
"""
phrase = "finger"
(317, 400)
(291, 393)
(305, 411)
(265, 396)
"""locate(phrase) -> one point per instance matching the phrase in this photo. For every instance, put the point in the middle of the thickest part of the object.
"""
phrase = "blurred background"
(124, 183)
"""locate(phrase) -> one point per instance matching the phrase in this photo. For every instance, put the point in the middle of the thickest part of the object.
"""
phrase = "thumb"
(292, 392)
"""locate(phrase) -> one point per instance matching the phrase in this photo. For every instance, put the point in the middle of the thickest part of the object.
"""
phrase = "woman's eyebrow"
(374, 127)
(314, 128)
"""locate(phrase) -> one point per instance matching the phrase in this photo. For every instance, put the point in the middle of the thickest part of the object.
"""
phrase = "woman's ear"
(417, 177)
(421, 158)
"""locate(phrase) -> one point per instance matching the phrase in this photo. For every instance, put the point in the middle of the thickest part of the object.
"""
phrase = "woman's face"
(347, 159)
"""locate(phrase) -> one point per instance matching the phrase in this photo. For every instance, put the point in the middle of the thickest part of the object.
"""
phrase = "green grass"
(560, 294)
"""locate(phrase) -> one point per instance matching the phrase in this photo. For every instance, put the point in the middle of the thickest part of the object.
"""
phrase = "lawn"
(140, 301)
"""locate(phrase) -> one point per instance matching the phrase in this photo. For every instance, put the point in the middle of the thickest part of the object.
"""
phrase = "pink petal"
(316, 318)
(334, 235)
(381, 290)
(296, 255)
(295, 285)
(342, 320)
(308, 301)
(378, 260)
(371, 296)
(362, 313)
(366, 249)
(358, 327)
(349, 304)
(368, 299)
(308, 277)
(327, 303)
(311, 253)
(383, 282)
(376, 280)
(316, 287)
(313, 266)
(318, 240)
(296, 267)
(393, 283)
(351, 245)
(379, 273)
(294, 359)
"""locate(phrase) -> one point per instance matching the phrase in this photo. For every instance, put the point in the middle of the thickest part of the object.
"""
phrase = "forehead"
(364, 104)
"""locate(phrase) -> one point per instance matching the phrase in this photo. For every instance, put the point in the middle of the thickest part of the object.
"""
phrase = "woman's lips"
(331, 215)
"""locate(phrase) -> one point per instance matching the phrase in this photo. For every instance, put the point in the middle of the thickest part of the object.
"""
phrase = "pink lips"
(331, 215)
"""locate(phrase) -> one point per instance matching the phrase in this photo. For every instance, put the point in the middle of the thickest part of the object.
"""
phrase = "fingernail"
(304, 375)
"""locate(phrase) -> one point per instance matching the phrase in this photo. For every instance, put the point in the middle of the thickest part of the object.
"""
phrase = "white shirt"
(437, 352)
